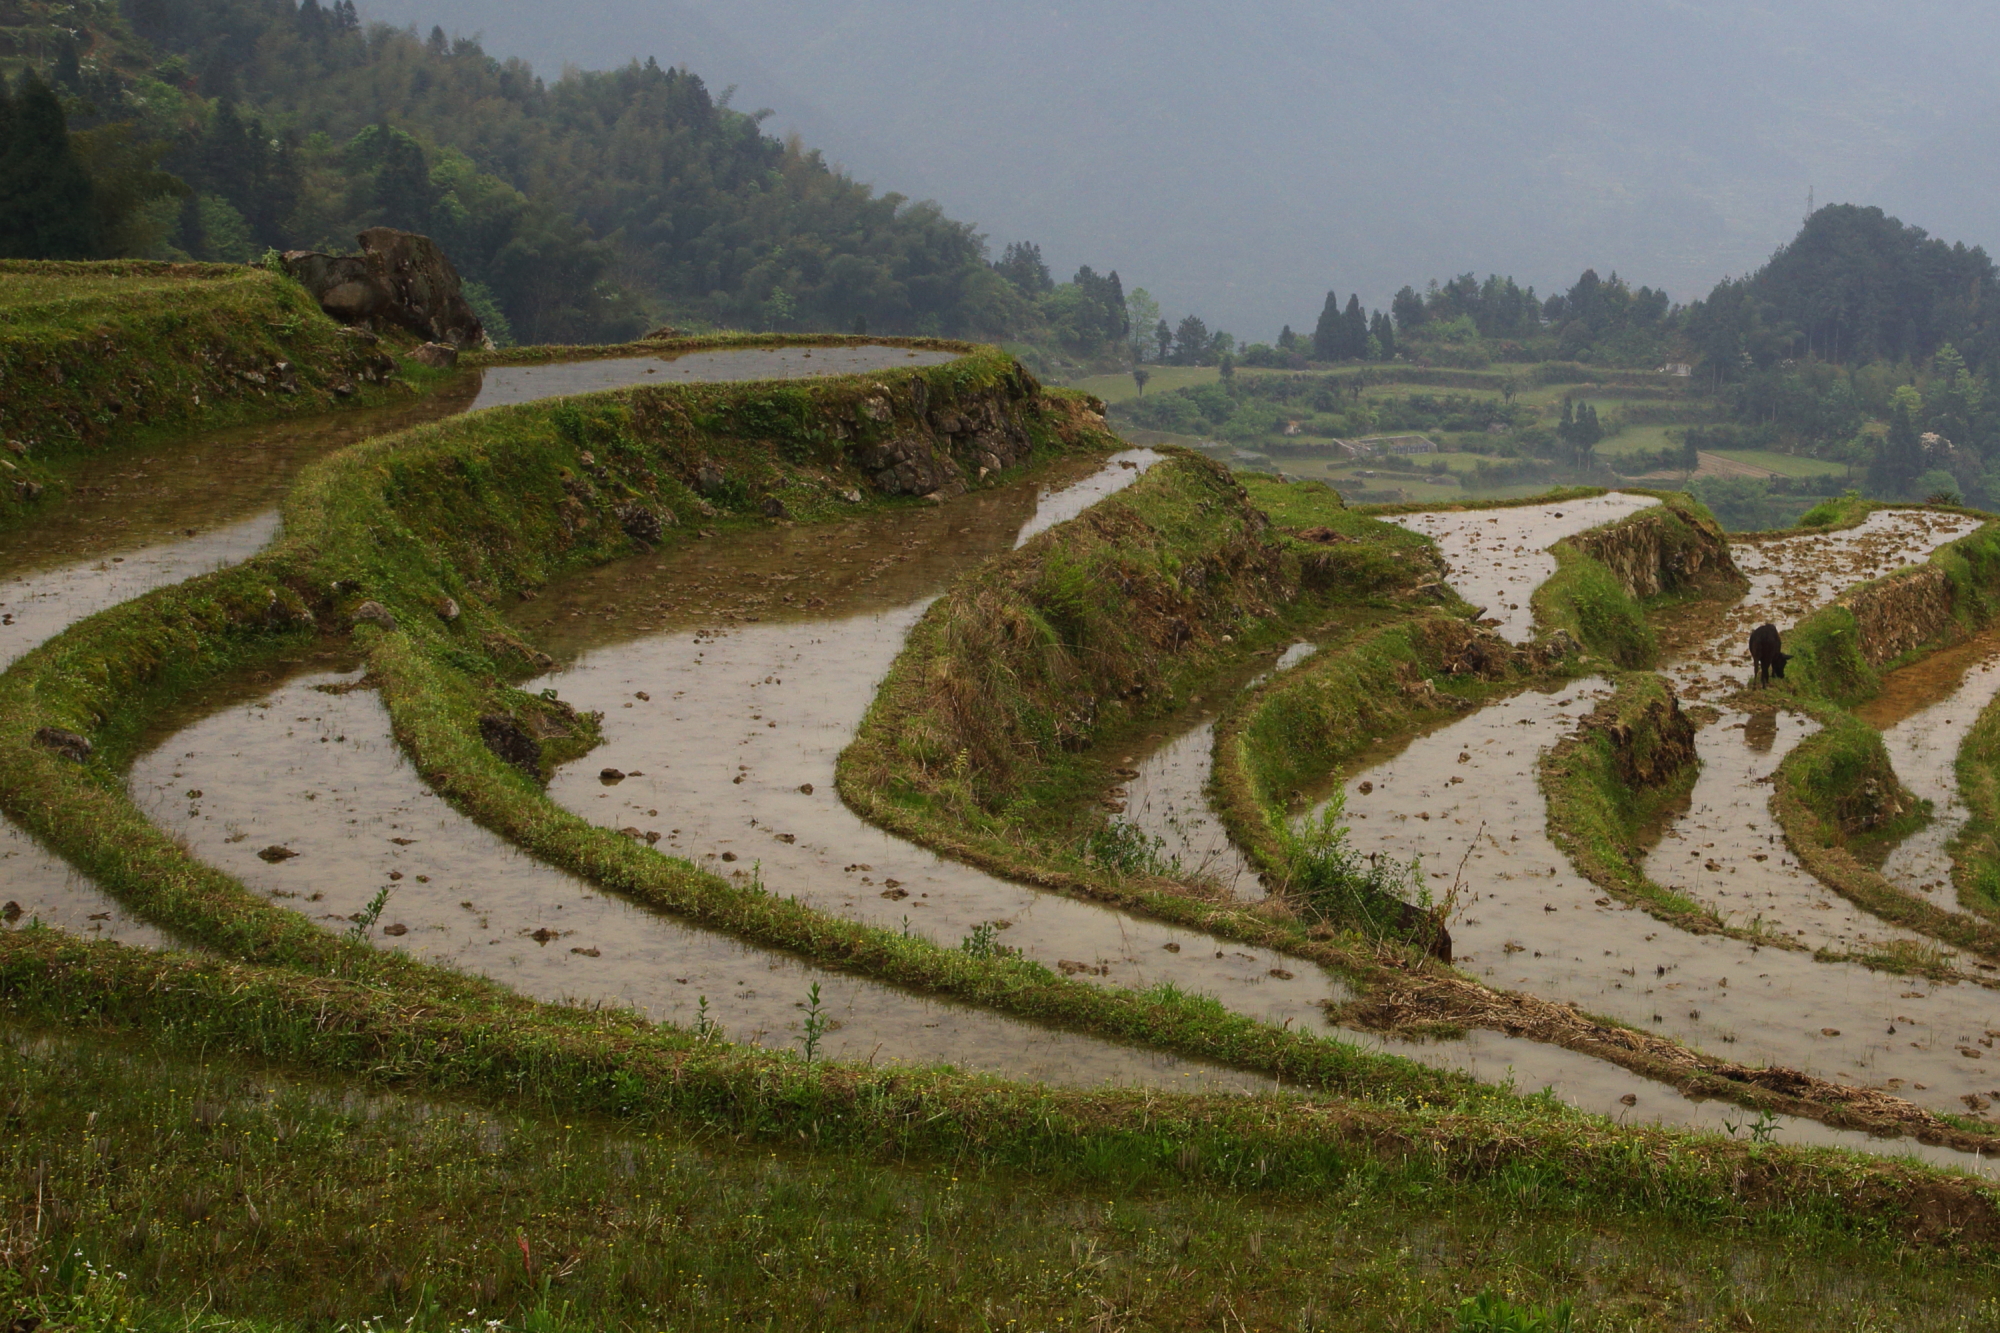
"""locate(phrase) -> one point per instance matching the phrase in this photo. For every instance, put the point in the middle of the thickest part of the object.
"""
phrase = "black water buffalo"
(1766, 652)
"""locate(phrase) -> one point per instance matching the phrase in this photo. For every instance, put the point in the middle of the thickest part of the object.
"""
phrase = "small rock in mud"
(893, 883)
(611, 775)
(1171, 947)
(805, 789)
(787, 837)
(65, 743)
(1969, 1053)
(374, 613)
(1629, 1099)
(403, 842)
(729, 856)
(643, 697)
(11, 912)
(395, 874)
(448, 610)
(592, 952)
(895, 895)
(1365, 788)
(542, 934)
(1281, 974)
(398, 929)
(1829, 1032)
(737, 780)
(631, 832)
(275, 854)
(652, 837)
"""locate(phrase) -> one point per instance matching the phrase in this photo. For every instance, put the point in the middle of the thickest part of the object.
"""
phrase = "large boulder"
(399, 280)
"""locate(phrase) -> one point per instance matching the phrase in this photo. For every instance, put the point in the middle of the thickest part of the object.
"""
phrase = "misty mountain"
(1239, 160)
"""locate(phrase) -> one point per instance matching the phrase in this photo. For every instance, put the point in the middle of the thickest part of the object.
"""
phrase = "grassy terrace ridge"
(1836, 793)
(977, 746)
(506, 1171)
(127, 352)
(1387, 662)
(477, 508)
(1609, 782)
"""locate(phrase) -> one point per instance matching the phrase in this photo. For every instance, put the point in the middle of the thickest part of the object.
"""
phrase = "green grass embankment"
(1836, 795)
(244, 1200)
(126, 351)
(473, 511)
(479, 509)
(991, 739)
(1608, 785)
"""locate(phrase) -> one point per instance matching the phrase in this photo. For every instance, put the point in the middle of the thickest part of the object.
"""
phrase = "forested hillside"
(581, 209)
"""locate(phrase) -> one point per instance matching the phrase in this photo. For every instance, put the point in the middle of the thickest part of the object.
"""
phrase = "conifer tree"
(1327, 333)
(47, 210)
(1354, 330)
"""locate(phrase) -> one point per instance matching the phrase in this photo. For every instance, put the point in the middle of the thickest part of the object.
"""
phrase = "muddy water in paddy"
(1168, 801)
(1496, 558)
(133, 521)
(1924, 712)
(137, 519)
(1532, 923)
(758, 659)
(1711, 852)
(522, 384)
(259, 764)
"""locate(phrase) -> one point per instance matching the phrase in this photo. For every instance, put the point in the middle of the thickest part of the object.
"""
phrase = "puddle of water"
(1168, 801)
(1058, 503)
(735, 743)
(1498, 557)
(1728, 852)
(129, 499)
(505, 385)
(1924, 712)
(257, 766)
(46, 890)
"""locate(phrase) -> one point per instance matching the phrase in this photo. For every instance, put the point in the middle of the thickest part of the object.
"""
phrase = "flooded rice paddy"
(289, 764)
(133, 520)
(1496, 558)
(505, 385)
(1531, 922)
(731, 679)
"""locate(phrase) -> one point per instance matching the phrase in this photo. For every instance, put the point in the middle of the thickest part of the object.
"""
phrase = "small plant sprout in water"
(1764, 1129)
(1328, 877)
(365, 919)
(1487, 1313)
(816, 1023)
(705, 1028)
(984, 942)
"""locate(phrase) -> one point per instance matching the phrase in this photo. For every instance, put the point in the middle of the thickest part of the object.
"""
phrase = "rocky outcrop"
(915, 448)
(1665, 549)
(1894, 615)
(1650, 744)
(399, 281)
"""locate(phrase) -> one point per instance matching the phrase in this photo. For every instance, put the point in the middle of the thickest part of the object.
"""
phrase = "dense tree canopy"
(578, 208)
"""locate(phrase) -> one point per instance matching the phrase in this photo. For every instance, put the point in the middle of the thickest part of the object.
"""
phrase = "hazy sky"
(1238, 160)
